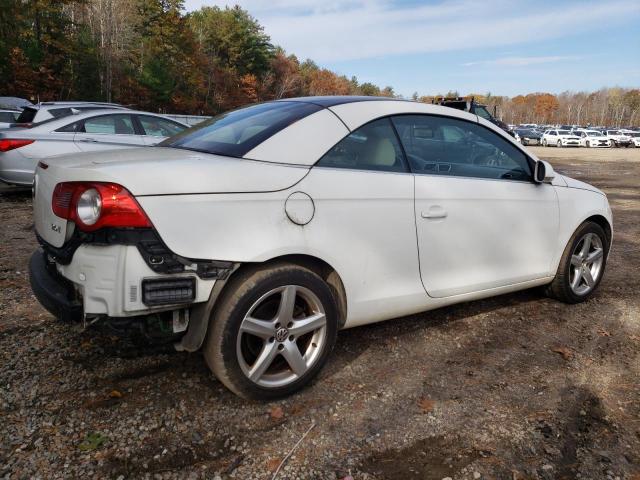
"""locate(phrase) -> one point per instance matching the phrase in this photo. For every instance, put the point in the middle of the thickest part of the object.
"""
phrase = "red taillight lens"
(118, 208)
(7, 144)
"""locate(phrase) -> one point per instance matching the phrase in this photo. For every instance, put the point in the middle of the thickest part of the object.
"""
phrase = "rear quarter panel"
(363, 226)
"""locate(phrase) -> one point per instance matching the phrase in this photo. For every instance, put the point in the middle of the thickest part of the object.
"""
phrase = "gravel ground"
(513, 387)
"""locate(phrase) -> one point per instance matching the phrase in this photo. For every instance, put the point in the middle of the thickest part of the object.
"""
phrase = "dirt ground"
(513, 387)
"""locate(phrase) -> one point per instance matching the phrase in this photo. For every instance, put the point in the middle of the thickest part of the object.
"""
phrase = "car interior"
(433, 145)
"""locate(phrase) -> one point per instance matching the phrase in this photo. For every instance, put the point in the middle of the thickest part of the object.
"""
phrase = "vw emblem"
(282, 334)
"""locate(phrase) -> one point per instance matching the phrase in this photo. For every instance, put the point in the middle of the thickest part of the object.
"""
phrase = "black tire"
(560, 287)
(559, 144)
(243, 291)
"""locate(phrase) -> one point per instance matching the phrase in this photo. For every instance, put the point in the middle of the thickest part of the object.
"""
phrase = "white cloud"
(522, 61)
(337, 30)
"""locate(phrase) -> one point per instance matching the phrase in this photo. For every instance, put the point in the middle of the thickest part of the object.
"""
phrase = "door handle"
(89, 140)
(434, 212)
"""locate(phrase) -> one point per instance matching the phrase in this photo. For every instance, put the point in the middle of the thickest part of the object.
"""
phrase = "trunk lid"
(172, 171)
(153, 171)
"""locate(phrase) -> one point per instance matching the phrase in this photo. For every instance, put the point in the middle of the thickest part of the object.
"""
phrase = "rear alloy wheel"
(582, 265)
(272, 331)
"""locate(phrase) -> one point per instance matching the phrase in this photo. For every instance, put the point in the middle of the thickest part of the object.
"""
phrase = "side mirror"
(543, 172)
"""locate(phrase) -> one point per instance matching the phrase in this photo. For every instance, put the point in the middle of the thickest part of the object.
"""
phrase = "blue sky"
(505, 47)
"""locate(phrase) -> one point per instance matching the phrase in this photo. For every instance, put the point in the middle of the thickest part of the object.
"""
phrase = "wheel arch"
(200, 314)
(317, 265)
(602, 221)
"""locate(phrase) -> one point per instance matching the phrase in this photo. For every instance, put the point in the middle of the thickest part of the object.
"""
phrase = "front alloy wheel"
(586, 264)
(271, 331)
(582, 264)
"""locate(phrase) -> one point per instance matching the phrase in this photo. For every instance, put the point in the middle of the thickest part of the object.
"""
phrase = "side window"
(448, 146)
(552, 132)
(71, 128)
(373, 146)
(110, 125)
(159, 127)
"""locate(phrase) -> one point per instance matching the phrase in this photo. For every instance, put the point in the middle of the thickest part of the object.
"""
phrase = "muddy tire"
(582, 265)
(272, 331)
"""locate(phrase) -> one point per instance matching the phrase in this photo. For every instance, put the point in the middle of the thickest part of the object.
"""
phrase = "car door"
(107, 132)
(156, 129)
(481, 221)
(362, 191)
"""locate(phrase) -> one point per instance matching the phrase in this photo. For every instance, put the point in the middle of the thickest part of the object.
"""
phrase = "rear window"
(7, 117)
(236, 133)
(27, 115)
(60, 112)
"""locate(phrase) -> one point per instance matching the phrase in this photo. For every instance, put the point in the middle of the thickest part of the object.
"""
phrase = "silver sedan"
(22, 148)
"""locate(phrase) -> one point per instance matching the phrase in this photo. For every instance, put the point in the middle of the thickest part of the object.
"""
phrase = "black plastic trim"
(53, 291)
(153, 250)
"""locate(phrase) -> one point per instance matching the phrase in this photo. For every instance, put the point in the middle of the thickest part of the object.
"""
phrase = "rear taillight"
(7, 144)
(94, 205)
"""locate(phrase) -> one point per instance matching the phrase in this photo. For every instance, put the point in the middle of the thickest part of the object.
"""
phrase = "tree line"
(151, 55)
(617, 107)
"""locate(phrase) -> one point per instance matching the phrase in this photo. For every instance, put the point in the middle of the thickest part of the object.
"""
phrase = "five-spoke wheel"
(281, 336)
(272, 330)
(586, 264)
(582, 264)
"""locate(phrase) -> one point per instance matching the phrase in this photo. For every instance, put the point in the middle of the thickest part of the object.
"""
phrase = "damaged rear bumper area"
(54, 292)
(113, 286)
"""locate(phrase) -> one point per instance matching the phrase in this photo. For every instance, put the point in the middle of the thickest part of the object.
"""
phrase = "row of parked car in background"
(34, 132)
(29, 133)
(576, 136)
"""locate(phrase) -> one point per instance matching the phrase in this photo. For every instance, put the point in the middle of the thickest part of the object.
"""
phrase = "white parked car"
(94, 130)
(8, 117)
(35, 114)
(593, 139)
(635, 139)
(262, 232)
(618, 138)
(560, 138)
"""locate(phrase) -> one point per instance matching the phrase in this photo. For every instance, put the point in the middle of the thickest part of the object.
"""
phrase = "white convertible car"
(262, 232)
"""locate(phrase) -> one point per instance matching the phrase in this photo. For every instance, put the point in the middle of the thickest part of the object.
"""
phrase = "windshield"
(564, 132)
(236, 133)
(635, 135)
(482, 112)
(595, 134)
(613, 132)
